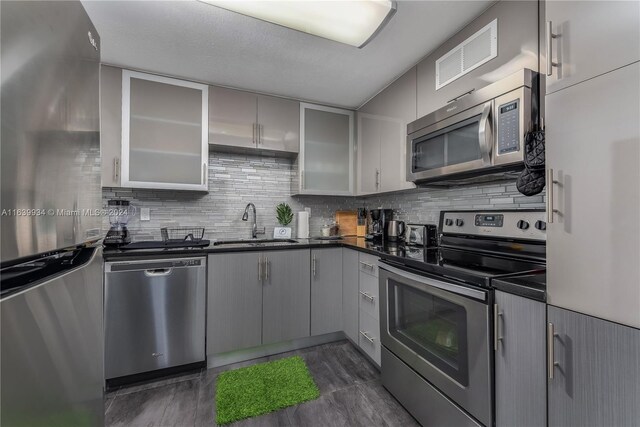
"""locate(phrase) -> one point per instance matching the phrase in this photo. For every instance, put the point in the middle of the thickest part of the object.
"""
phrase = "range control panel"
(509, 127)
(506, 224)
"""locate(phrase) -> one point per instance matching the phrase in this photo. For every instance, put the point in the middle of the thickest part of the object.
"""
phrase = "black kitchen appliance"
(120, 212)
(379, 224)
(437, 313)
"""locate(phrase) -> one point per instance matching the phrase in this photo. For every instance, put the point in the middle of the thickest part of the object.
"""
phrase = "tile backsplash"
(237, 179)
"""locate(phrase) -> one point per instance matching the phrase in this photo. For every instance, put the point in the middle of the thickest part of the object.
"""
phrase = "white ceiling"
(197, 41)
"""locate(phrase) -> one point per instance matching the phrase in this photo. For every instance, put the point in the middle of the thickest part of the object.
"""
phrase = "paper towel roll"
(303, 225)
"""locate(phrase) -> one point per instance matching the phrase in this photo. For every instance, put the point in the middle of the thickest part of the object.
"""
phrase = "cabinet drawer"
(369, 336)
(368, 295)
(368, 264)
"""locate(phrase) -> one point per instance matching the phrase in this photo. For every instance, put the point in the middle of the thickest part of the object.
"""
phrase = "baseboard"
(216, 360)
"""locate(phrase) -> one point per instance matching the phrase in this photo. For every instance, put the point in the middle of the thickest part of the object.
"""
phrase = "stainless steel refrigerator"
(51, 301)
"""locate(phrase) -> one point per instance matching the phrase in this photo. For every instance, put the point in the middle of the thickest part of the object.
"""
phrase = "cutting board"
(348, 222)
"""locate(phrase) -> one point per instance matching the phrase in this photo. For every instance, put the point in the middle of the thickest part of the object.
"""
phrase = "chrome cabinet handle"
(261, 134)
(550, 183)
(302, 180)
(551, 363)
(116, 169)
(549, 36)
(266, 268)
(204, 173)
(369, 338)
(496, 327)
(484, 133)
(255, 132)
(377, 179)
(368, 296)
(260, 269)
(313, 265)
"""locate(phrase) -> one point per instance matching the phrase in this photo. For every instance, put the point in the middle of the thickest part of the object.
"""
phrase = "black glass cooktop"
(471, 267)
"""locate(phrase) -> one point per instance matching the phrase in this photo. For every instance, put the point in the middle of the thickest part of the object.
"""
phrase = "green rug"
(263, 388)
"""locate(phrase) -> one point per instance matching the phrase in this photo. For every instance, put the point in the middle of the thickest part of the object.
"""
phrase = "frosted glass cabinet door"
(326, 164)
(164, 132)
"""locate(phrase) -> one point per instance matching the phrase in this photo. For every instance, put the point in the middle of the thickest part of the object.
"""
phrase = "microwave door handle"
(485, 134)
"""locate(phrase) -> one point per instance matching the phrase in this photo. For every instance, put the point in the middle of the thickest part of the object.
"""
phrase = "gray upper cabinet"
(326, 291)
(595, 379)
(232, 118)
(382, 130)
(517, 48)
(286, 295)
(279, 124)
(350, 293)
(595, 197)
(110, 124)
(164, 133)
(326, 163)
(588, 38)
(246, 121)
(234, 302)
(520, 361)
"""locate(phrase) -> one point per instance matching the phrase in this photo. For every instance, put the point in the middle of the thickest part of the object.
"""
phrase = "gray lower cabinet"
(285, 295)
(326, 291)
(520, 361)
(234, 309)
(596, 374)
(350, 293)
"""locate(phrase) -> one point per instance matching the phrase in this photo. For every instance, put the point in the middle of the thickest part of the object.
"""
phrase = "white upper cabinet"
(326, 159)
(164, 133)
(517, 48)
(248, 121)
(588, 38)
(382, 132)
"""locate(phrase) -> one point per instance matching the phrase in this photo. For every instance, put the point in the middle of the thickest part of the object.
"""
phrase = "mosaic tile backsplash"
(237, 179)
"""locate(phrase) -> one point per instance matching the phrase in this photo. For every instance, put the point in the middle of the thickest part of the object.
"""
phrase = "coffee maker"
(379, 223)
(120, 212)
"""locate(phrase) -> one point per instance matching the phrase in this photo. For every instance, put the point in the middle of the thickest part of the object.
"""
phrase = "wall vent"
(478, 49)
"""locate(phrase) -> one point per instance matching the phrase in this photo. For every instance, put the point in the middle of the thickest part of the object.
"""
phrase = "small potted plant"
(284, 215)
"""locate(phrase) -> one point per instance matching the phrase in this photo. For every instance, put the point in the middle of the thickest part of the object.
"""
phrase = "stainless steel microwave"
(477, 137)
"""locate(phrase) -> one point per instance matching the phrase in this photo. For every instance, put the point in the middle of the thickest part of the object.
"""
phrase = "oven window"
(434, 328)
(459, 143)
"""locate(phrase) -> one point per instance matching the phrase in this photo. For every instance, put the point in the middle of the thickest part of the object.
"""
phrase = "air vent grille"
(478, 49)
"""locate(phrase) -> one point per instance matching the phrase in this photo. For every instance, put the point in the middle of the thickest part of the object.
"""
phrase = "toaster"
(425, 235)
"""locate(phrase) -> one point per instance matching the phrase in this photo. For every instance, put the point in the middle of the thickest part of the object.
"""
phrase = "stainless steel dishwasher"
(154, 315)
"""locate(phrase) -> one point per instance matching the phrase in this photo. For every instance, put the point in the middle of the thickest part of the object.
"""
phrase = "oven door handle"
(450, 287)
(485, 134)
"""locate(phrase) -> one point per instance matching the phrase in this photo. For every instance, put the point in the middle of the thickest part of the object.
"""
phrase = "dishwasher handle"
(157, 272)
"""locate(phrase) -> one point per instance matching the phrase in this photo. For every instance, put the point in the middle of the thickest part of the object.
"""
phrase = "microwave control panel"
(509, 127)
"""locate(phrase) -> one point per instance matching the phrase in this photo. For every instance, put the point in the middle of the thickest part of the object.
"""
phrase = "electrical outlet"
(145, 214)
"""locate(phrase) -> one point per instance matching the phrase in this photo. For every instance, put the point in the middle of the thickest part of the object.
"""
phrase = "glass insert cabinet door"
(326, 159)
(433, 327)
(164, 132)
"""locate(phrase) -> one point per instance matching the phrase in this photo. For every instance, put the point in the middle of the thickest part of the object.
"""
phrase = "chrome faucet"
(254, 227)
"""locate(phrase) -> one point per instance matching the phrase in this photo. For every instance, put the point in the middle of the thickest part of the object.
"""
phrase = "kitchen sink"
(254, 242)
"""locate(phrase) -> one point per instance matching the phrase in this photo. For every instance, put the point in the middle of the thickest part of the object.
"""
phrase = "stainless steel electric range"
(437, 312)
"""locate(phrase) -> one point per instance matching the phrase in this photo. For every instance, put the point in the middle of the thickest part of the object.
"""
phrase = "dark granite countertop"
(529, 286)
(533, 286)
(112, 254)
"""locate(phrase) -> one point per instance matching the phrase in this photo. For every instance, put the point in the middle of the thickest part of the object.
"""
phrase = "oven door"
(441, 330)
(459, 144)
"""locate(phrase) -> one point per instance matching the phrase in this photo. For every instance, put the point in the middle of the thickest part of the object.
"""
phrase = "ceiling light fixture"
(351, 22)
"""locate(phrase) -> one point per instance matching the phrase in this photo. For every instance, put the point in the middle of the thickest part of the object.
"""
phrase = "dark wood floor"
(350, 395)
